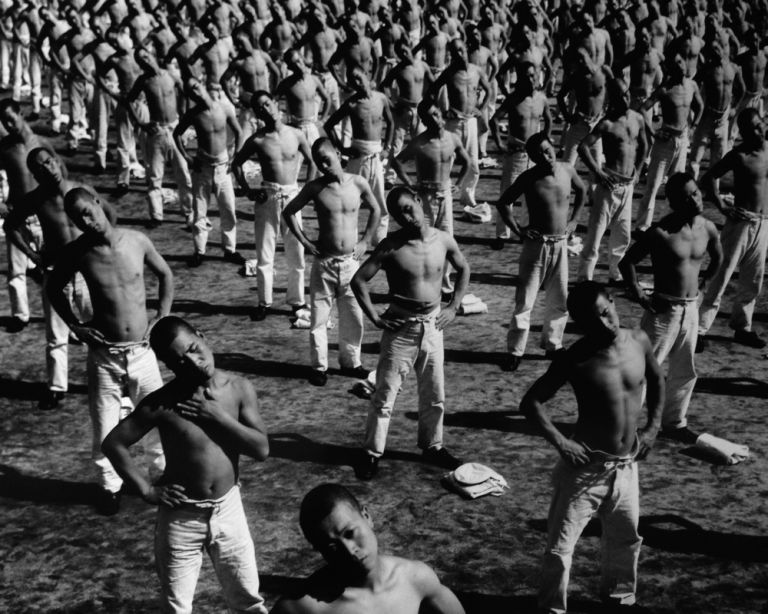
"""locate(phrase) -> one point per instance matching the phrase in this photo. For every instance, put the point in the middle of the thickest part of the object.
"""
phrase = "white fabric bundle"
(730, 453)
(479, 214)
(472, 304)
(473, 480)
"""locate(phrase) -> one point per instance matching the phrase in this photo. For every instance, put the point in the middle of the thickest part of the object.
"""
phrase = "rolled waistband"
(300, 121)
(666, 133)
(515, 145)
(401, 312)
(207, 160)
(459, 115)
(206, 504)
(326, 260)
(279, 187)
(548, 239)
(367, 148)
(753, 217)
(172, 124)
(433, 186)
(605, 460)
(619, 177)
(121, 347)
(676, 300)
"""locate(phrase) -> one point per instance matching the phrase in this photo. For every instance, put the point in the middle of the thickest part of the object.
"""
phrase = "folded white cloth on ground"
(472, 304)
(479, 214)
(473, 480)
(303, 319)
(730, 453)
(250, 267)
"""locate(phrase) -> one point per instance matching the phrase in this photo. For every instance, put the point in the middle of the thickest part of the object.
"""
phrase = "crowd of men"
(352, 91)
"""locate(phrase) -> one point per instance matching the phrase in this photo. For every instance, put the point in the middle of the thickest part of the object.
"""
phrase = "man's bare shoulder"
(313, 595)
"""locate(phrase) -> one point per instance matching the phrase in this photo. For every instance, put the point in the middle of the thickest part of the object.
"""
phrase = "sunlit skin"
(360, 578)
(608, 369)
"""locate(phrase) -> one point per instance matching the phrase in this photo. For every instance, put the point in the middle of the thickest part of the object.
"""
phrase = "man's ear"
(367, 515)
(199, 333)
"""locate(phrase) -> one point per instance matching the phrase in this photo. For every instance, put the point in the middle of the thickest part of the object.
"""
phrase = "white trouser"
(268, 221)
(673, 331)
(114, 371)
(127, 157)
(57, 331)
(80, 96)
(369, 166)
(218, 526)
(330, 280)
(18, 263)
(668, 156)
(103, 107)
(610, 488)
(213, 179)
(6, 53)
(712, 128)
(27, 61)
(611, 209)
(160, 147)
(574, 135)
(437, 201)
(418, 345)
(466, 129)
(745, 244)
(543, 264)
(515, 162)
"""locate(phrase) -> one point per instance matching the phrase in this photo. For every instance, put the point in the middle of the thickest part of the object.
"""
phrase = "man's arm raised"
(654, 396)
(367, 201)
(456, 258)
(301, 200)
(246, 434)
(162, 271)
(359, 285)
(532, 406)
(129, 431)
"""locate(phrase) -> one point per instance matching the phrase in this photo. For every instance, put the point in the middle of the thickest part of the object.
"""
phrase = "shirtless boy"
(357, 578)
(337, 197)
(608, 369)
(207, 418)
(279, 150)
(543, 261)
(112, 261)
(414, 259)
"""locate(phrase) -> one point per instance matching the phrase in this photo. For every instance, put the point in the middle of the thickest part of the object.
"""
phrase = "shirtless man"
(689, 45)
(587, 83)
(356, 51)
(434, 45)
(411, 78)
(46, 203)
(463, 82)
(608, 369)
(388, 35)
(526, 108)
(596, 42)
(645, 73)
(255, 71)
(14, 148)
(337, 198)
(677, 245)
(679, 98)
(207, 418)
(718, 77)
(660, 27)
(360, 579)
(210, 168)
(522, 48)
(279, 150)
(369, 112)
(127, 70)
(322, 42)
(434, 152)
(745, 233)
(112, 261)
(161, 90)
(482, 57)
(414, 259)
(302, 90)
(213, 55)
(752, 63)
(623, 134)
(543, 260)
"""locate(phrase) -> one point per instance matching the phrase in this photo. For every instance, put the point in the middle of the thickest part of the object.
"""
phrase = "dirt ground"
(705, 527)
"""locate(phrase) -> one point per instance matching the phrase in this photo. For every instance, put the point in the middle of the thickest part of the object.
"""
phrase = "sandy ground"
(705, 527)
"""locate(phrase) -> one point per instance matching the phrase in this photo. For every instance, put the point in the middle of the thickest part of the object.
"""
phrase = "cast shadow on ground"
(733, 387)
(242, 363)
(15, 485)
(673, 533)
(6, 321)
(203, 308)
(295, 447)
(505, 421)
(30, 391)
